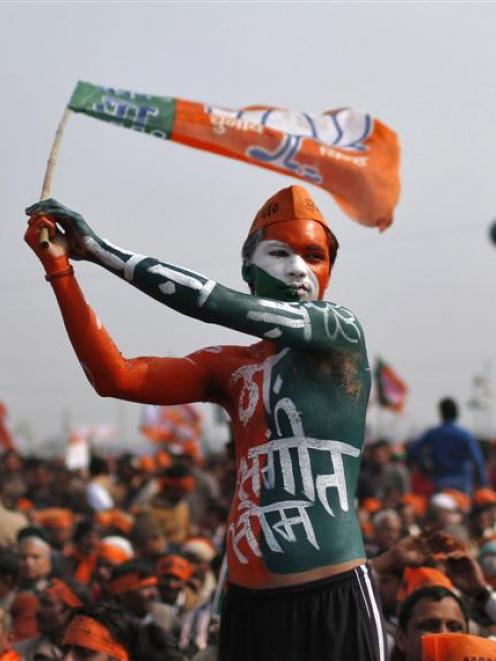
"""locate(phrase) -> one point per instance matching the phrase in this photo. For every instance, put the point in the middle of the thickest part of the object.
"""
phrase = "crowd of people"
(124, 555)
(125, 560)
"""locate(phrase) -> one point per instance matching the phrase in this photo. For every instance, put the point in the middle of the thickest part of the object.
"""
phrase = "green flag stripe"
(142, 112)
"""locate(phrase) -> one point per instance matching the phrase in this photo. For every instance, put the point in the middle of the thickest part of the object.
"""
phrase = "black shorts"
(334, 619)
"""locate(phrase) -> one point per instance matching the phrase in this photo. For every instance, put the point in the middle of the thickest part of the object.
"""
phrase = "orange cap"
(131, 581)
(89, 634)
(201, 548)
(112, 553)
(416, 501)
(147, 464)
(55, 517)
(115, 519)
(461, 499)
(24, 505)
(163, 459)
(456, 647)
(484, 497)
(415, 578)
(292, 203)
(371, 505)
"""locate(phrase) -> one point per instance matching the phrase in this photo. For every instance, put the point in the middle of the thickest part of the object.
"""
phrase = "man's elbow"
(108, 384)
(115, 389)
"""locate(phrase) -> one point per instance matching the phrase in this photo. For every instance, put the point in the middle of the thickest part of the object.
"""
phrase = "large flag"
(351, 155)
(391, 389)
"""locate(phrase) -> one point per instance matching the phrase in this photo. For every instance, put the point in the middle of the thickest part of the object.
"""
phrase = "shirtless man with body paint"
(297, 399)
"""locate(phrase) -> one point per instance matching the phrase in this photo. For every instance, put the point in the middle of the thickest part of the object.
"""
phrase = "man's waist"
(314, 578)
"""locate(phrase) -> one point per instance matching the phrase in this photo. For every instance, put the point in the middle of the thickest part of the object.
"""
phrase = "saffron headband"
(131, 581)
(85, 632)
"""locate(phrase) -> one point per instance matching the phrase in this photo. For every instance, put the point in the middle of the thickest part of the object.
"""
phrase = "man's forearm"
(152, 380)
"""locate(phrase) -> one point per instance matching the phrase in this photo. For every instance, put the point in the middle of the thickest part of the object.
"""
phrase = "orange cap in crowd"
(415, 578)
(484, 497)
(416, 501)
(201, 548)
(89, 634)
(163, 459)
(131, 581)
(147, 463)
(292, 203)
(112, 552)
(371, 505)
(462, 499)
(457, 647)
(55, 517)
(175, 565)
(115, 519)
(192, 449)
(24, 505)
(63, 592)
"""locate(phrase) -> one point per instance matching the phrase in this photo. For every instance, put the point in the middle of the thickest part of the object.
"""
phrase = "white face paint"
(280, 261)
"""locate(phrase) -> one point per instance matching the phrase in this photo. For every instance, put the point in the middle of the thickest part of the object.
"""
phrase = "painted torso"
(298, 421)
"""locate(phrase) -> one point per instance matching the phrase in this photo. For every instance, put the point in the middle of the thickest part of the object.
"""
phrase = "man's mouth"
(298, 287)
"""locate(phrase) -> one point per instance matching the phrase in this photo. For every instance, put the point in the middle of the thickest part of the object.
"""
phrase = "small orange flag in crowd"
(6, 440)
(346, 152)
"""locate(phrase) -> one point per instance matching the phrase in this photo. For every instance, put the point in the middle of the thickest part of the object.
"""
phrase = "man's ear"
(247, 274)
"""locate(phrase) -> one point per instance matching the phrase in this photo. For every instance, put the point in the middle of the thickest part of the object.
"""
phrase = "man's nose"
(296, 266)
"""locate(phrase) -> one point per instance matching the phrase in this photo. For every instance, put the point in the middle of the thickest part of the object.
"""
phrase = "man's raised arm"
(145, 379)
(314, 326)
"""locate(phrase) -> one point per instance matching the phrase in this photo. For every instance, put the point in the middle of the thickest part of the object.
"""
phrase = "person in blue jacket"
(451, 452)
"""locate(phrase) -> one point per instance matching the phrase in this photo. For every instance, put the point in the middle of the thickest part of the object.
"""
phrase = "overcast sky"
(424, 290)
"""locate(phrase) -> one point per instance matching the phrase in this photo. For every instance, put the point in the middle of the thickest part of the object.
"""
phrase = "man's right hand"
(55, 258)
(74, 226)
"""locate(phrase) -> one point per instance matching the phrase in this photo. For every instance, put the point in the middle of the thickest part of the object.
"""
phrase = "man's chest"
(274, 390)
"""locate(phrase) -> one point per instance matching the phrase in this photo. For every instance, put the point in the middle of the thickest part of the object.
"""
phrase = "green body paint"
(267, 286)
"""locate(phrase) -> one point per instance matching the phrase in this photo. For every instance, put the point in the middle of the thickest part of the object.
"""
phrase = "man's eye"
(455, 627)
(278, 253)
(315, 257)
(430, 626)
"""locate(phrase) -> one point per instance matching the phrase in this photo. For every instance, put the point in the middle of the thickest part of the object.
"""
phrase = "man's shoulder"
(338, 321)
(449, 430)
(221, 353)
(460, 432)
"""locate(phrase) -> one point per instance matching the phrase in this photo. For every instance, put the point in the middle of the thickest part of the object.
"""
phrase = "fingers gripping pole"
(50, 169)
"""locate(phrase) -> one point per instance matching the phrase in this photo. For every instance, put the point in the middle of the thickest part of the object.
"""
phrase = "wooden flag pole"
(50, 169)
